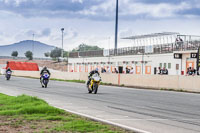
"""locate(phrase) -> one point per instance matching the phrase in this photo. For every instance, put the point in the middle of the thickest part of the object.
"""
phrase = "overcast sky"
(93, 21)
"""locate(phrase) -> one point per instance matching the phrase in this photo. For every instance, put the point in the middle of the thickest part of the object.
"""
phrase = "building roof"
(151, 35)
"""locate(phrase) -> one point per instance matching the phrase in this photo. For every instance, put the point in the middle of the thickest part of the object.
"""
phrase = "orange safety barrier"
(24, 66)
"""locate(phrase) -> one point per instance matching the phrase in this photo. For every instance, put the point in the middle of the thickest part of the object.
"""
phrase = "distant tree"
(14, 54)
(47, 54)
(84, 47)
(66, 54)
(56, 53)
(29, 55)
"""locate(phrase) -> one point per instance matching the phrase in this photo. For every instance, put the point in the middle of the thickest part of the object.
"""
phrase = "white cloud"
(134, 8)
(83, 25)
(162, 10)
(13, 2)
(98, 9)
(80, 1)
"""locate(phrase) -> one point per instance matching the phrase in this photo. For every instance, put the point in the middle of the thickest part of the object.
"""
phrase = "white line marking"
(105, 121)
(97, 112)
(154, 119)
(136, 119)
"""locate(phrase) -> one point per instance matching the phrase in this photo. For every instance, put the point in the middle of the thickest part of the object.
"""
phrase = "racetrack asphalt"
(137, 109)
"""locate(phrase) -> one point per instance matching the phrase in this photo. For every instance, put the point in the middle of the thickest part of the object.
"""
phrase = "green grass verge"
(79, 81)
(75, 81)
(177, 90)
(31, 114)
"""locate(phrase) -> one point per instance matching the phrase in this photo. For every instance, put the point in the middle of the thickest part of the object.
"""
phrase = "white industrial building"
(170, 50)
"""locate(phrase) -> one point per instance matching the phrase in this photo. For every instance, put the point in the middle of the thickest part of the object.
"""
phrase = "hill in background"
(28, 45)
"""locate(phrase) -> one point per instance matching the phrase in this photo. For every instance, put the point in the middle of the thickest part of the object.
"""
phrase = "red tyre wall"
(24, 66)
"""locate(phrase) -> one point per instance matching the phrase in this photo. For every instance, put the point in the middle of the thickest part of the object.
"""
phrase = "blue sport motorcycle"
(45, 80)
(8, 75)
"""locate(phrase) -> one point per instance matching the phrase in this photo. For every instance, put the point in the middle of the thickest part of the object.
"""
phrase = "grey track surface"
(148, 110)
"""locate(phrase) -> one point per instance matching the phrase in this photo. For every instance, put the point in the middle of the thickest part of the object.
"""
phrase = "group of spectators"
(103, 70)
(163, 71)
(129, 70)
(191, 71)
(179, 43)
(179, 39)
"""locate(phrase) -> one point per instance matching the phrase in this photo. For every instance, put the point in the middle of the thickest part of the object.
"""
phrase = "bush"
(29, 55)
(14, 54)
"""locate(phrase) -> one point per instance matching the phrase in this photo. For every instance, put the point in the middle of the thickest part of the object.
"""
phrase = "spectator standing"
(127, 70)
(188, 70)
(181, 40)
(108, 69)
(116, 71)
(131, 71)
(193, 71)
(103, 70)
(159, 70)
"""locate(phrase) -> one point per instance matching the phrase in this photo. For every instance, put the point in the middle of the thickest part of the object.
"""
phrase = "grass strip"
(30, 114)
(79, 81)
(74, 81)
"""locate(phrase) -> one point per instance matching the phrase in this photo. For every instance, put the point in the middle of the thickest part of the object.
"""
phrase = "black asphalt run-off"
(143, 110)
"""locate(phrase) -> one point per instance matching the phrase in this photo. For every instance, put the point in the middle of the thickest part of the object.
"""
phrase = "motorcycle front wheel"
(45, 83)
(89, 90)
(95, 86)
(8, 77)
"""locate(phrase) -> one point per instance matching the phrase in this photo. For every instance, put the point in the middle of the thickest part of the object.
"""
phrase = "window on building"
(169, 65)
(177, 66)
(165, 65)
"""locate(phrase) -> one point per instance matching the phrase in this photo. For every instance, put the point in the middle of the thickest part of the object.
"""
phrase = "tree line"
(28, 54)
(56, 53)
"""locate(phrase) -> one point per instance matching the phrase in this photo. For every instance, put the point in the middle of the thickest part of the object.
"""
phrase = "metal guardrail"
(98, 53)
(156, 49)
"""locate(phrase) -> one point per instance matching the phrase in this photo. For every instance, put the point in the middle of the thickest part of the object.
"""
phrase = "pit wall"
(186, 83)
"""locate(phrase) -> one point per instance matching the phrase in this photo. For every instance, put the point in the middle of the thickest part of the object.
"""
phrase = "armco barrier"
(54, 75)
(65, 75)
(34, 74)
(190, 83)
(187, 83)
